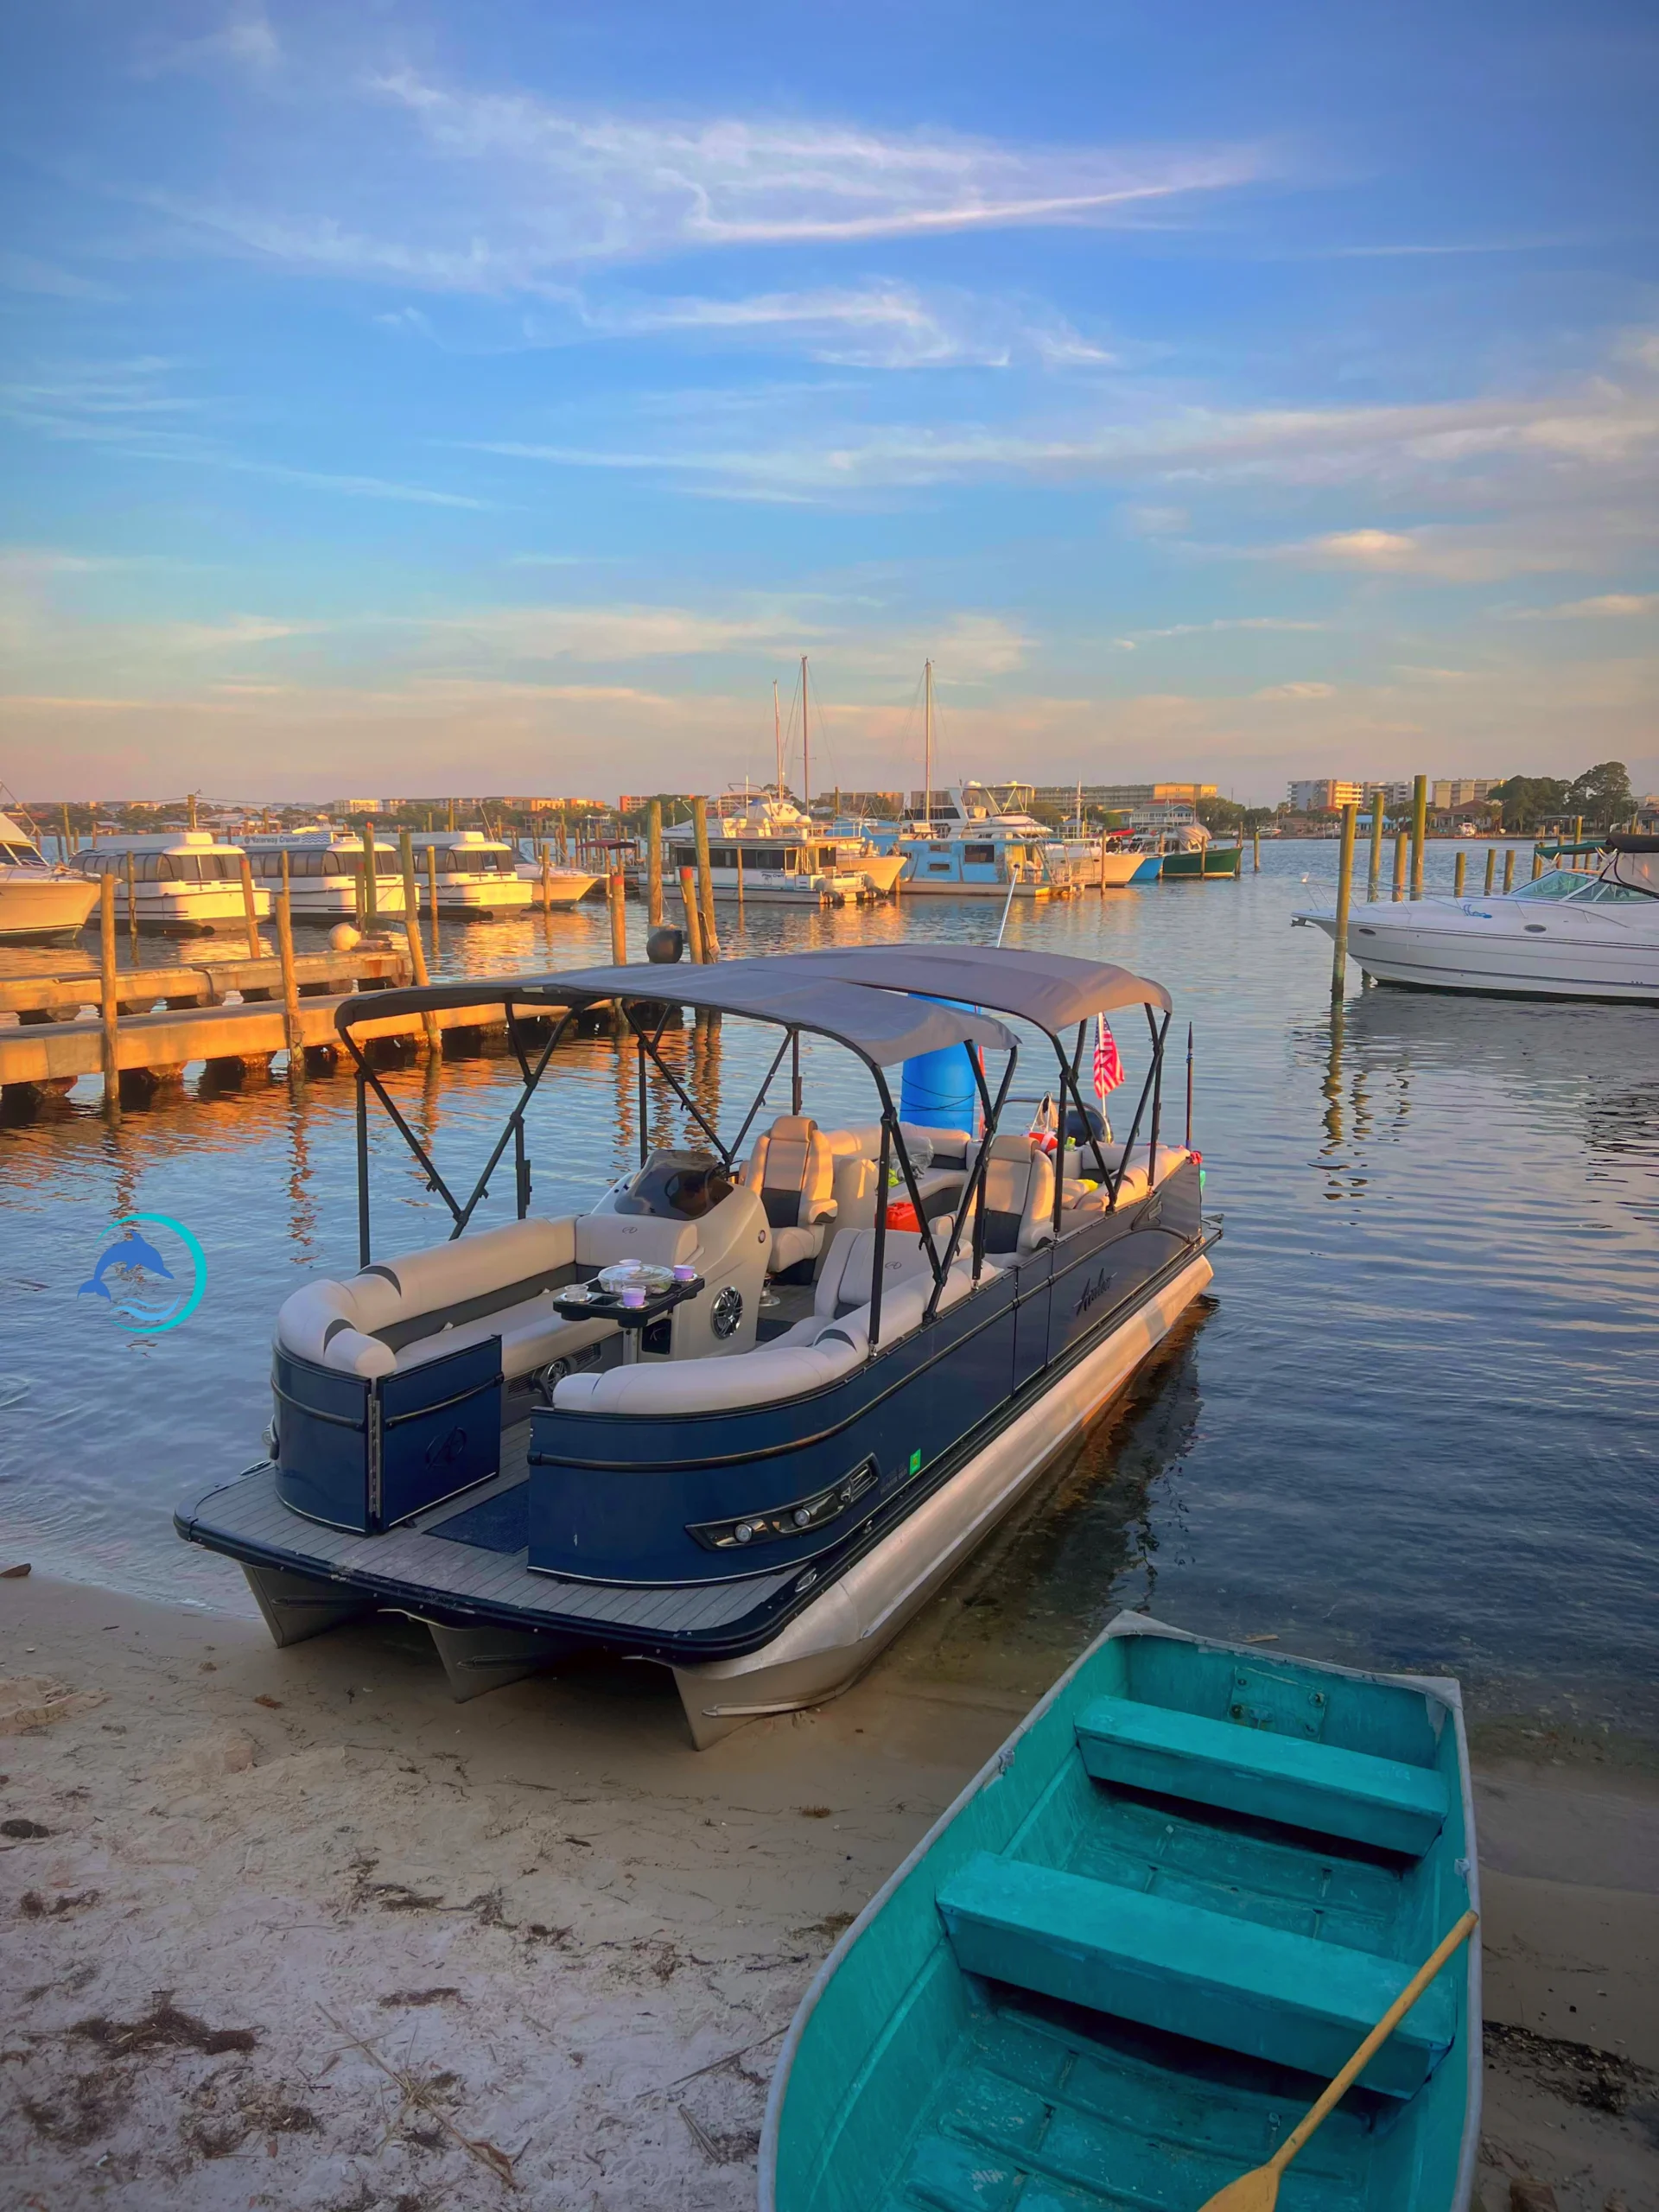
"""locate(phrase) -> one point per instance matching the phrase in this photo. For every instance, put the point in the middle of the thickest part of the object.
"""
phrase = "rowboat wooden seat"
(1296, 2000)
(1300, 1783)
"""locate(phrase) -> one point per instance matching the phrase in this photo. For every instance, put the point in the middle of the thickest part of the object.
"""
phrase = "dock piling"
(1419, 831)
(412, 931)
(547, 877)
(64, 833)
(705, 879)
(1256, 848)
(132, 907)
(1401, 837)
(1375, 875)
(249, 912)
(432, 892)
(1458, 874)
(1492, 867)
(370, 888)
(1344, 897)
(693, 918)
(1509, 869)
(290, 977)
(107, 994)
(654, 865)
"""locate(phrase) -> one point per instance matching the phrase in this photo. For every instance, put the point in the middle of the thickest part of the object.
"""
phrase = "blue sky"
(420, 397)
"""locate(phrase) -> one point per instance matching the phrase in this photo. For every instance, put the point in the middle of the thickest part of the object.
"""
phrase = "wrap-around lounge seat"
(501, 1283)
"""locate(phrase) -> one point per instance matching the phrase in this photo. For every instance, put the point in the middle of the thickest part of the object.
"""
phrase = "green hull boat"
(1124, 1963)
(1204, 859)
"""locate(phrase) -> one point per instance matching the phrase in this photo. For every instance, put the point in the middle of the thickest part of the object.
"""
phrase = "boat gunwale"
(1444, 1689)
(855, 1545)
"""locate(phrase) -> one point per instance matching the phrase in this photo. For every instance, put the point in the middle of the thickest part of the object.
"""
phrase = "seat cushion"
(532, 1334)
(791, 1246)
(699, 1386)
(845, 1278)
(1304, 1784)
(1296, 2000)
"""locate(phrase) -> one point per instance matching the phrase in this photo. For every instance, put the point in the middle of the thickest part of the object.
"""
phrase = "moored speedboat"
(1564, 936)
(763, 847)
(39, 903)
(747, 1412)
(1131, 1954)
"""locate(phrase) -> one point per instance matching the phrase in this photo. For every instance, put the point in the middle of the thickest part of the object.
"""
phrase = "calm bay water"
(1410, 1427)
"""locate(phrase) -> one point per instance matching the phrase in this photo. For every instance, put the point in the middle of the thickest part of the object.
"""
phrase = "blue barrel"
(939, 1091)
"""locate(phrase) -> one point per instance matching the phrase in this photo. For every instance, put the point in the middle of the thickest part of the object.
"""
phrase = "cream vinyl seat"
(815, 1353)
(1081, 1166)
(400, 1313)
(1017, 1195)
(792, 1171)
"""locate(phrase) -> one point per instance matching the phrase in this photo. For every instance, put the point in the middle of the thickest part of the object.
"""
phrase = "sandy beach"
(292, 1929)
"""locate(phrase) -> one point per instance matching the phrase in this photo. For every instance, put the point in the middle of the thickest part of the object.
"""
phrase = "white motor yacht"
(325, 871)
(478, 876)
(763, 842)
(1565, 935)
(39, 903)
(185, 882)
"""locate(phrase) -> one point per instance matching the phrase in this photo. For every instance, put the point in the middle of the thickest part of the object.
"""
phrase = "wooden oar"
(1259, 2191)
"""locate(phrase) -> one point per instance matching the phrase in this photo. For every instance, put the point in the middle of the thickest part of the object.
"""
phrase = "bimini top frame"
(883, 1006)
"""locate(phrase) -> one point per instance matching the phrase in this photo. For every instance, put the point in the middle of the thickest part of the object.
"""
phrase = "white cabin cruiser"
(478, 877)
(325, 871)
(1565, 936)
(762, 843)
(185, 882)
(744, 1415)
(39, 903)
(547, 879)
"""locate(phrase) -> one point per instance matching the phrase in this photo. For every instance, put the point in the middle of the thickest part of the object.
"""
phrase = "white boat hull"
(824, 1649)
(36, 907)
(565, 887)
(1517, 949)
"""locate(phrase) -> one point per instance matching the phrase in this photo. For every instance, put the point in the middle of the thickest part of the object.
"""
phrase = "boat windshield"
(1559, 883)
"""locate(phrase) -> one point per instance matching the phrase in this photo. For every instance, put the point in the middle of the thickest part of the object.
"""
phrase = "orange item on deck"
(902, 1215)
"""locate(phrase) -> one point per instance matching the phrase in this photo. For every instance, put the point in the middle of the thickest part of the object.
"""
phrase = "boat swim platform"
(460, 1566)
(59, 994)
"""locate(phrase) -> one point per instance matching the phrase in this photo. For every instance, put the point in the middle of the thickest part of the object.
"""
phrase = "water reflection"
(1085, 1544)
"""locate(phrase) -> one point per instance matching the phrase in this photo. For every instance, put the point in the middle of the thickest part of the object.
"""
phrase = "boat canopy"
(884, 1025)
(1051, 989)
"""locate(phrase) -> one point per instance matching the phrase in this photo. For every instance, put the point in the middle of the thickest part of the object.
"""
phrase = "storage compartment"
(365, 1453)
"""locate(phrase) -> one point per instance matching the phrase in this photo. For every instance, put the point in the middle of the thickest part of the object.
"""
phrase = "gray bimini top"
(884, 1025)
(1051, 989)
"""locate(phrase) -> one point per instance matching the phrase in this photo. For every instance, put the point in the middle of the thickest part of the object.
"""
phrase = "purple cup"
(633, 1296)
(683, 1274)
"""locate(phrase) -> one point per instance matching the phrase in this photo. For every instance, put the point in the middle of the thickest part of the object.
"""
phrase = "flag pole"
(1189, 1086)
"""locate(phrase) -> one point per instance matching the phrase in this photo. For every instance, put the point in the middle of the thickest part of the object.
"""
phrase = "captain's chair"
(1018, 1196)
(792, 1171)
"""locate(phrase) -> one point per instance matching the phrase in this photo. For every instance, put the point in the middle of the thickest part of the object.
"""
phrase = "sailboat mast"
(776, 740)
(927, 748)
(806, 747)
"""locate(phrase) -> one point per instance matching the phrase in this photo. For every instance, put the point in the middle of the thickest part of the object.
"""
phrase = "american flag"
(1109, 1068)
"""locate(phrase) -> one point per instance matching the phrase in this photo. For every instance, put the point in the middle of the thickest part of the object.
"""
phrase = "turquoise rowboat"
(1123, 1964)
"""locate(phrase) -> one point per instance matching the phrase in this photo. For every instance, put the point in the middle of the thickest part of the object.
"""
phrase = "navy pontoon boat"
(744, 1417)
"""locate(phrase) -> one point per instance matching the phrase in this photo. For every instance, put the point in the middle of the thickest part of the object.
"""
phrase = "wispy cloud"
(1608, 605)
(1444, 553)
(127, 407)
(1134, 638)
(242, 40)
(880, 324)
(507, 194)
(22, 272)
(1296, 693)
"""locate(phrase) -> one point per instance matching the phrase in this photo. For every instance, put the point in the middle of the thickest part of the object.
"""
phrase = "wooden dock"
(61, 994)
